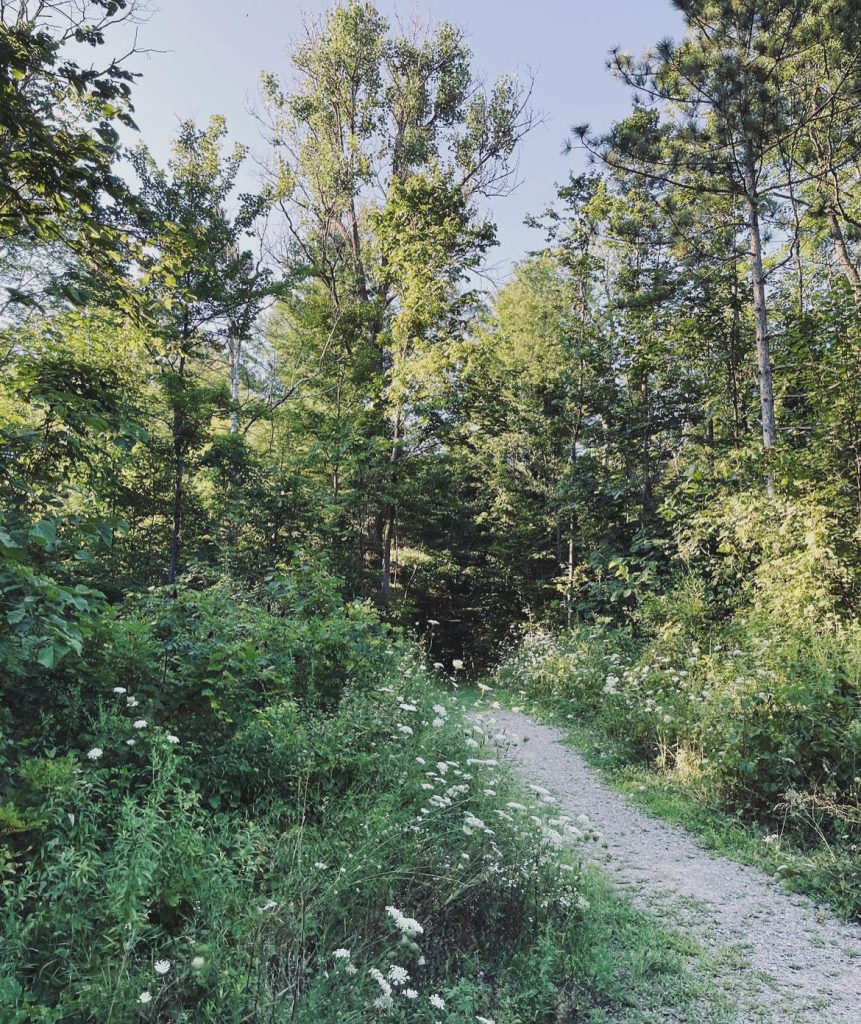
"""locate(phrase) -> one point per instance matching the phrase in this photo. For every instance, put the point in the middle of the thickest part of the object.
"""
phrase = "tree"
(727, 116)
(198, 288)
(59, 118)
(382, 148)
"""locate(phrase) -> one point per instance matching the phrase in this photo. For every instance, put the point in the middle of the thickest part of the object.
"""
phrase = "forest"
(293, 499)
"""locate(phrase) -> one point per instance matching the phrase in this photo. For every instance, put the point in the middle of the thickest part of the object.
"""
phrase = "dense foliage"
(264, 456)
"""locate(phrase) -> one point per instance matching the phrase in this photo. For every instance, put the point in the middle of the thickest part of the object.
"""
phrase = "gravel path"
(785, 960)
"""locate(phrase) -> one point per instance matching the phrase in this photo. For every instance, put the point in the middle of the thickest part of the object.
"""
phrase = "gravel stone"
(799, 964)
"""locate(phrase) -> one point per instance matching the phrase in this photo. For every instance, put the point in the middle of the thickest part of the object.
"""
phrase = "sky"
(207, 56)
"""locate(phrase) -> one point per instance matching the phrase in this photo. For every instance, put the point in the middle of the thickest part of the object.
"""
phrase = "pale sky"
(214, 50)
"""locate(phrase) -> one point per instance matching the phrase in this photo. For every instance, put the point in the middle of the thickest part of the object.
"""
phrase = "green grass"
(635, 970)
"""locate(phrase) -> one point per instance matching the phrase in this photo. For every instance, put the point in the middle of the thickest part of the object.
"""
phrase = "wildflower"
(341, 954)
(440, 710)
(485, 1020)
(145, 997)
(436, 1001)
(197, 962)
(457, 664)
(438, 723)
(132, 702)
(438, 664)
(407, 707)
(269, 905)
(140, 724)
(405, 729)
(351, 969)
(94, 754)
(320, 866)
(130, 743)
(398, 975)
(377, 975)
(408, 925)
(172, 739)
(161, 966)
(119, 689)
(433, 622)
(383, 1002)
(410, 993)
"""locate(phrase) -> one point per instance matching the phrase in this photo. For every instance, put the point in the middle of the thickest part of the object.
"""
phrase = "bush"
(261, 809)
(761, 716)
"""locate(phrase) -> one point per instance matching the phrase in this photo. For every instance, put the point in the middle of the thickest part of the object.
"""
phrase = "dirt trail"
(785, 960)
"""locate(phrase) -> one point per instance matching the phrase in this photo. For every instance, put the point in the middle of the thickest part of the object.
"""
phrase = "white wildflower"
(341, 954)
(145, 997)
(172, 739)
(140, 724)
(119, 689)
(161, 966)
(457, 664)
(436, 1001)
(407, 925)
(197, 962)
(94, 754)
(398, 975)
(410, 993)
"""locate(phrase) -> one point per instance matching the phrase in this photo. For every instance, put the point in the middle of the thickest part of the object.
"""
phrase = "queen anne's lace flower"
(140, 724)
(398, 975)
(436, 1001)
(145, 997)
(407, 925)
(161, 966)
(95, 753)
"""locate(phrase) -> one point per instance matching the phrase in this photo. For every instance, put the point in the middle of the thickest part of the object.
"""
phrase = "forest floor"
(777, 957)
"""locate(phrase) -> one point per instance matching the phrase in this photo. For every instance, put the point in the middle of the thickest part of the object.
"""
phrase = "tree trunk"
(177, 430)
(235, 354)
(760, 312)
(841, 250)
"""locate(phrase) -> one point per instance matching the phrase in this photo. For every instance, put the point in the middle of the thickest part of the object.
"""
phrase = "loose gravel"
(781, 958)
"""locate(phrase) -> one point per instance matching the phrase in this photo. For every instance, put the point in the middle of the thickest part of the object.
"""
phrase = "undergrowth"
(752, 740)
(256, 807)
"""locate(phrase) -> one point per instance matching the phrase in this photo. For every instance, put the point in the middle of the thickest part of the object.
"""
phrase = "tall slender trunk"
(178, 431)
(760, 313)
(841, 250)
(235, 356)
(389, 516)
(646, 495)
